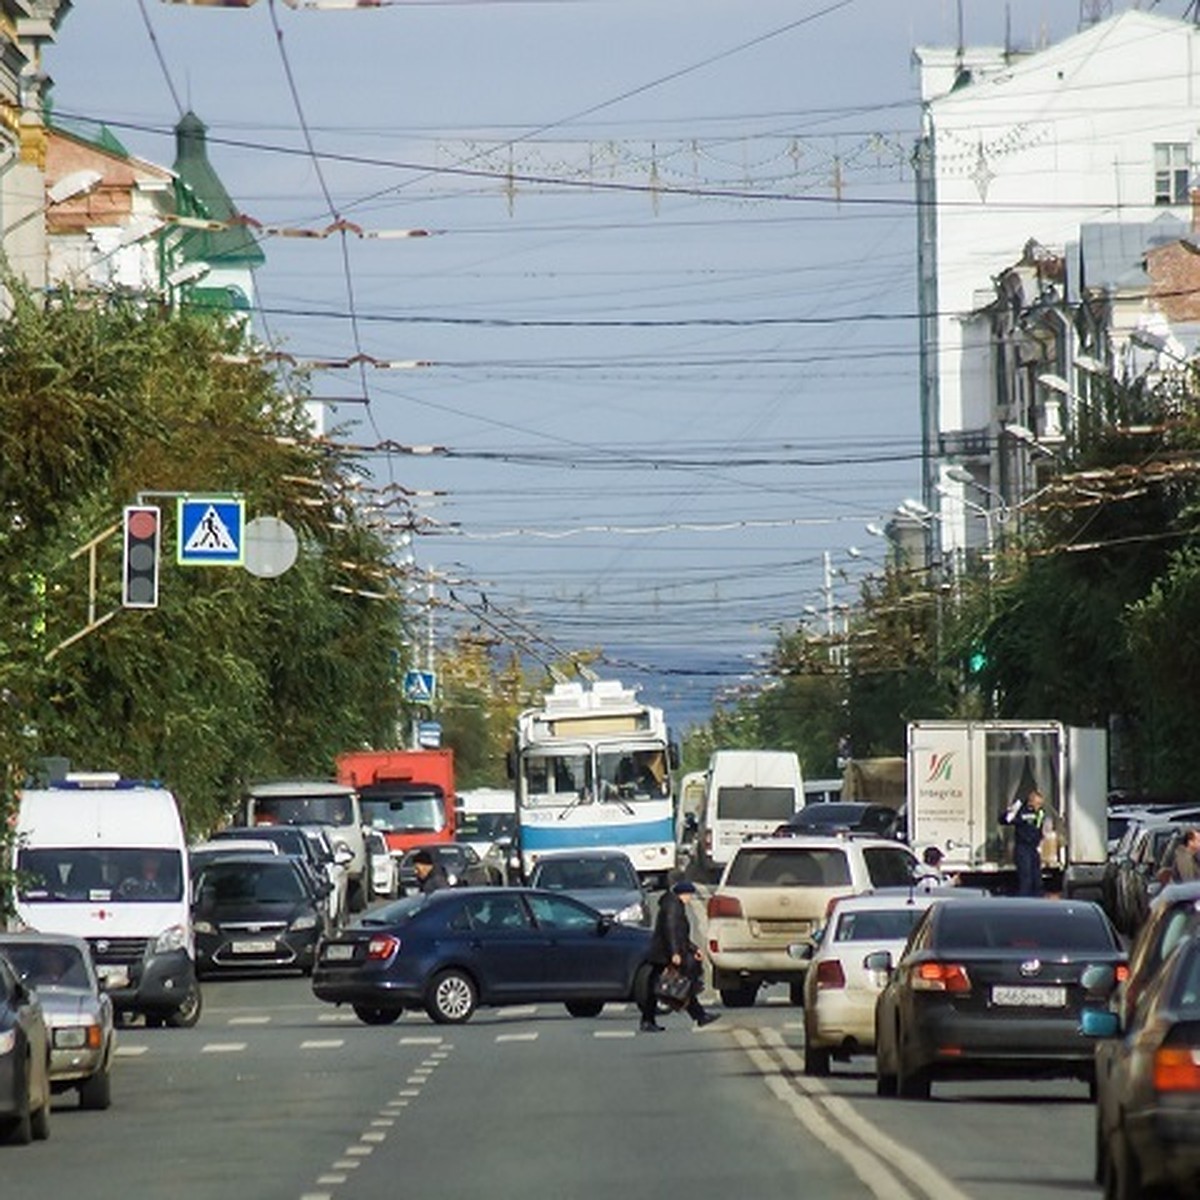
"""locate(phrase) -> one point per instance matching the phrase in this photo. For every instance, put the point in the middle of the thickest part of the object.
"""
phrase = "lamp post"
(981, 511)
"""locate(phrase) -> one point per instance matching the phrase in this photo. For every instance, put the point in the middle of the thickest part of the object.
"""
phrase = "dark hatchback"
(833, 816)
(458, 948)
(1148, 1110)
(990, 989)
(255, 912)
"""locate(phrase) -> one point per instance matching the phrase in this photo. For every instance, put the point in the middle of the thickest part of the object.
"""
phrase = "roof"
(203, 194)
(298, 787)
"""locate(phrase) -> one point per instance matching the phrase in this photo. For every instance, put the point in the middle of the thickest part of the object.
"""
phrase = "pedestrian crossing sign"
(420, 686)
(210, 531)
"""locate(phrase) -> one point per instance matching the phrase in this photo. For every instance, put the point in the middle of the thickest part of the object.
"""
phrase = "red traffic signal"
(139, 574)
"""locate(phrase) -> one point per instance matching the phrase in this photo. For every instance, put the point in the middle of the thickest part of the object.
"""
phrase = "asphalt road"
(274, 1096)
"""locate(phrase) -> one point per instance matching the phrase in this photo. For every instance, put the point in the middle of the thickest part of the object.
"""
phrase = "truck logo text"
(940, 767)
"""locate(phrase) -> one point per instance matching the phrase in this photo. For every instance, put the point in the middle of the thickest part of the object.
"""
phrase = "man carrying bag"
(673, 954)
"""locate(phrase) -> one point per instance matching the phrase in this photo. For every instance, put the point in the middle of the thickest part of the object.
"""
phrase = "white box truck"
(105, 859)
(748, 793)
(963, 775)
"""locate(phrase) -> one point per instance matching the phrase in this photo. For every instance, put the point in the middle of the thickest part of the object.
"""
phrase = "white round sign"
(271, 547)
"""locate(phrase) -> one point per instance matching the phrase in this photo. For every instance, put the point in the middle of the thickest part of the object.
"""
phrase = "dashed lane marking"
(516, 1037)
(420, 1041)
(223, 1048)
(131, 1051)
(520, 1010)
(614, 1033)
(249, 1021)
(343, 1018)
(323, 1044)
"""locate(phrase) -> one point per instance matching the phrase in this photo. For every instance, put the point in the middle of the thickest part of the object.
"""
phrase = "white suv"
(775, 891)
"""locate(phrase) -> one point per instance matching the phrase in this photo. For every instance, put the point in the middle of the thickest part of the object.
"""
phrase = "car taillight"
(381, 947)
(1177, 1069)
(830, 974)
(940, 977)
(724, 906)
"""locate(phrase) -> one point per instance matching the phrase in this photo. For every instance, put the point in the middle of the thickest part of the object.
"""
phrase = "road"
(282, 1098)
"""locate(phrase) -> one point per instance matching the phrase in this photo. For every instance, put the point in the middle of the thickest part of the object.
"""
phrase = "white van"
(749, 793)
(335, 806)
(105, 859)
(486, 820)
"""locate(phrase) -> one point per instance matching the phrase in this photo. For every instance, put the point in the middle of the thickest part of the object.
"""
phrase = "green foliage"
(231, 677)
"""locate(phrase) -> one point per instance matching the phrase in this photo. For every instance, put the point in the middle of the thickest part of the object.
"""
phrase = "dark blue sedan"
(458, 948)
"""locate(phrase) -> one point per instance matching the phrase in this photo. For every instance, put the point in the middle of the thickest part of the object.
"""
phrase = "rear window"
(1056, 927)
(770, 867)
(882, 925)
(888, 866)
(755, 803)
(302, 810)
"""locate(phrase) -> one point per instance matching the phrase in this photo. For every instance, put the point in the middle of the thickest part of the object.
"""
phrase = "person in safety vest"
(1027, 817)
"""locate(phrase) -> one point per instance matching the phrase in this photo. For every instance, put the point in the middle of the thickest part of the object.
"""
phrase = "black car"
(24, 1060)
(990, 989)
(254, 912)
(458, 948)
(1148, 1095)
(833, 816)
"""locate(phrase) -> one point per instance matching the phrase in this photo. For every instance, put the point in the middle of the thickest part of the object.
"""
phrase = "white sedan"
(839, 991)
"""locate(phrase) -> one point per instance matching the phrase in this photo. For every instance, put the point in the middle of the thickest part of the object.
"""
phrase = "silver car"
(606, 880)
(78, 1015)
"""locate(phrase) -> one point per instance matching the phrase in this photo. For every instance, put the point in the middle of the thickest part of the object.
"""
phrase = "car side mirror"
(800, 950)
(1099, 980)
(879, 960)
(1099, 1023)
(343, 856)
(604, 924)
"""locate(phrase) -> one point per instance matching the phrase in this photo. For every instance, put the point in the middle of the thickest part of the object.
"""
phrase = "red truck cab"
(407, 795)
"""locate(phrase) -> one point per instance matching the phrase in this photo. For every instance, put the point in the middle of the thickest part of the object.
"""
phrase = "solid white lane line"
(919, 1170)
(516, 1037)
(870, 1169)
(223, 1048)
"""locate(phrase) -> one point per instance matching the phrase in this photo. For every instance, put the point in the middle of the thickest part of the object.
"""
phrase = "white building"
(1018, 153)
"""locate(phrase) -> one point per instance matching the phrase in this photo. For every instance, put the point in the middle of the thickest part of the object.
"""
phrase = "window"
(888, 867)
(789, 868)
(755, 803)
(557, 912)
(1172, 172)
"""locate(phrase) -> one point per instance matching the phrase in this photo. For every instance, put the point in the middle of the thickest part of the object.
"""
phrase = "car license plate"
(112, 975)
(339, 950)
(254, 947)
(1033, 997)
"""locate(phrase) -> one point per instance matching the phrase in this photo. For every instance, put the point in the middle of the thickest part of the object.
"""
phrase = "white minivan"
(748, 793)
(105, 859)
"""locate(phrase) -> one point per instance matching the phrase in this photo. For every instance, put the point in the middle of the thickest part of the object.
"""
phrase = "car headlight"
(305, 922)
(204, 927)
(174, 938)
(76, 1037)
(631, 914)
(8, 1041)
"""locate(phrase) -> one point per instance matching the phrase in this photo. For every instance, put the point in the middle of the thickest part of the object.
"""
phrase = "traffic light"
(977, 659)
(139, 575)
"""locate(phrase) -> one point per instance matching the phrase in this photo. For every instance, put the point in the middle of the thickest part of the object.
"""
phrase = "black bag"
(674, 987)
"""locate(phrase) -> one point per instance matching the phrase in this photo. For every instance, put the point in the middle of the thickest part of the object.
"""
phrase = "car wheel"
(585, 1008)
(451, 997)
(370, 1015)
(188, 1013)
(796, 992)
(740, 997)
(913, 1084)
(95, 1092)
(816, 1059)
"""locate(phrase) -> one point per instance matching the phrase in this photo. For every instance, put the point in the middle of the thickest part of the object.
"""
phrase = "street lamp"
(982, 511)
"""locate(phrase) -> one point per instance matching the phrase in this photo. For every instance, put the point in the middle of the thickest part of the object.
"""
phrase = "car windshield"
(229, 882)
(485, 827)
(303, 810)
(90, 875)
(555, 779)
(1055, 927)
(569, 874)
(632, 774)
(808, 867)
(404, 809)
(877, 925)
(48, 964)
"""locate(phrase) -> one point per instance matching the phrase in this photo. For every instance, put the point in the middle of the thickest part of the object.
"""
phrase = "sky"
(666, 310)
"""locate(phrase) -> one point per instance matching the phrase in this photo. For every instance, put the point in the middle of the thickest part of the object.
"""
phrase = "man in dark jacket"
(431, 875)
(671, 945)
